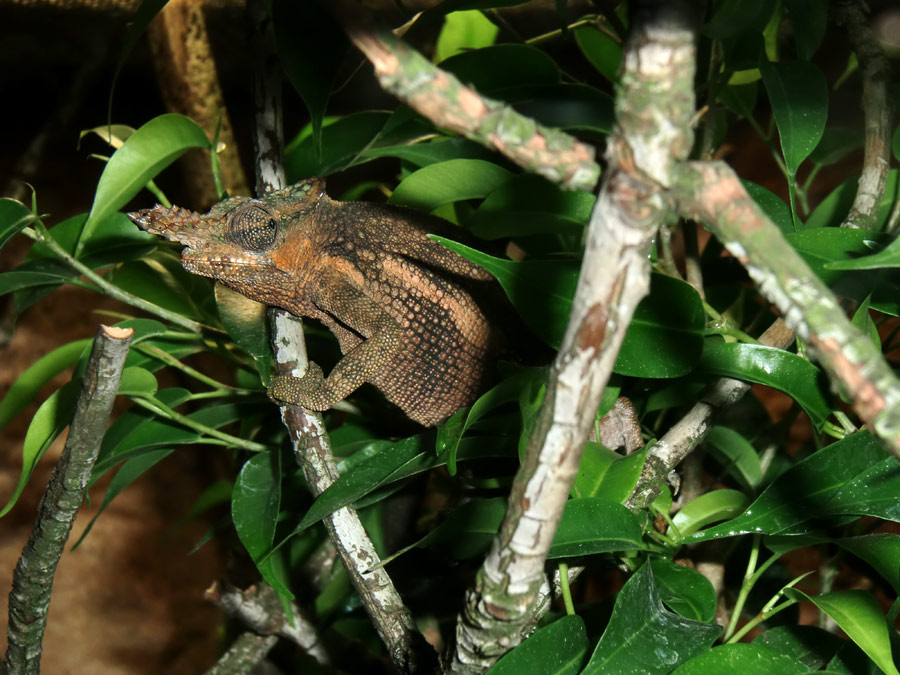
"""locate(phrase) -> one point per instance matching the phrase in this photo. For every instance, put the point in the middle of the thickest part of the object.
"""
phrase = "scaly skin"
(407, 312)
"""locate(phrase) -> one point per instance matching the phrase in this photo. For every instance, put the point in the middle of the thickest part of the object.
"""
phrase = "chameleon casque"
(409, 314)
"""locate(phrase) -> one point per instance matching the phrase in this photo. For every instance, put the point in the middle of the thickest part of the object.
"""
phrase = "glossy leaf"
(737, 455)
(709, 508)
(747, 659)
(343, 141)
(147, 151)
(854, 476)
(493, 70)
(255, 504)
(451, 181)
(643, 637)
(463, 31)
(772, 205)
(811, 646)
(137, 382)
(27, 385)
(832, 210)
(684, 590)
(862, 321)
(604, 473)
(245, 321)
(557, 649)
(881, 551)
(48, 422)
(112, 240)
(886, 258)
(808, 21)
(799, 96)
(604, 53)
(432, 151)
(859, 616)
(836, 143)
(14, 217)
(595, 525)
(734, 16)
(776, 368)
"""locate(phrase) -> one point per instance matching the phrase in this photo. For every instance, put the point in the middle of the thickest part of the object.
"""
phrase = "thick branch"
(450, 104)
(244, 655)
(713, 193)
(29, 600)
(876, 72)
(659, 64)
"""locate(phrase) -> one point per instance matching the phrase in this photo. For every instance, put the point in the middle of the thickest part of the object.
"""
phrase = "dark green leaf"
(147, 151)
(575, 108)
(342, 142)
(464, 31)
(26, 387)
(832, 210)
(48, 422)
(895, 143)
(862, 321)
(811, 646)
(557, 649)
(451, 181)
(245, 321)
(643, 637)
(595, 525)
(859, 616)
(772, 205)
(604, 53)
(851, 477)
(468, 531)
(747, 659)
(836, 143)
(709, 508)
(735, 16)
(737, 454)
(432, 151)
(501, 67)
(808, 20)
(799, 96)
(881, 551)
(684, 590)
(14, 217)
(776, 368)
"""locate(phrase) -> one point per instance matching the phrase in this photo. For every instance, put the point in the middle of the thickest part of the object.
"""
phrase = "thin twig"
(448, 103)
(29, 600)
(501, 607)
(259, 609)
(392, 619)
(875, 70)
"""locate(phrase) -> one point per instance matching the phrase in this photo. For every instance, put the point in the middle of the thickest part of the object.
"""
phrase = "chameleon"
(410, 315)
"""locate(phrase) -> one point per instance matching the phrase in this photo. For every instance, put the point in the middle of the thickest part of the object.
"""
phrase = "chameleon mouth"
(215, 265)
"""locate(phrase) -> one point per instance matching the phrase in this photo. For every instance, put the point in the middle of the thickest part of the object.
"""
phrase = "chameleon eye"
(253, 228)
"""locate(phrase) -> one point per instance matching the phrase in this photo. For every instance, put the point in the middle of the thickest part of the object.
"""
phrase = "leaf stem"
(746, 586)
(722, 326)
(564, 588)
(170, 360)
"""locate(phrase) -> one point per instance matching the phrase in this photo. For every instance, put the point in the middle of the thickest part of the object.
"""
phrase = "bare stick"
(712, 192)
(244, 655)
(393, 621)
(500, 608)
(448, 103)
(876, 73)
(29, 600)
(258, 608)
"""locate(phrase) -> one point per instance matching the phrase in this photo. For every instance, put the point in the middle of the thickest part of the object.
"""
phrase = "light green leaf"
(463, 31)
(595, 525)
(709, 508)
(451, 181)
(746, 659)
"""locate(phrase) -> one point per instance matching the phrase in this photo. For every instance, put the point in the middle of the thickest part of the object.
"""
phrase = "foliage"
(761, 491)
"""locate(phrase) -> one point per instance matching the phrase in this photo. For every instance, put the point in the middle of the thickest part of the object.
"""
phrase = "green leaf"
(496, 70)
(463, 31)
(604, 53)
(881, 551)
(527, 205)
(557, 649)
(863, 322)
(772, 205)
(707, 509)
(811, 646)
(747, 659)
(737, 454)
(895, 143)
(859, 616)
(147, 151)
(808, 21)
(451, 181)
(886, 258)
(776, 368)
(343, 141)
(14, 217)
(595, 525)
(851, 477)
(137, 382)
(48, 422)
(643, 637)
(432, 151)
(607, 473)
(312, 48)
(735, 16)
(799, 96)
(26, 387)
(245, 321)
(832, 210)
(684, 590)
(836, 143)
(255, 504)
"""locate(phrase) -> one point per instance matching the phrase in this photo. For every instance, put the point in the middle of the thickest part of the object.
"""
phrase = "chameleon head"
(238, 240)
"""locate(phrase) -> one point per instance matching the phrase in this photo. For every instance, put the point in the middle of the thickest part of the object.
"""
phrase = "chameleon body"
(408, 313)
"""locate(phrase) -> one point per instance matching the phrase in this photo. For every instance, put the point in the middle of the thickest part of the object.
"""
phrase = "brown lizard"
(409, 314)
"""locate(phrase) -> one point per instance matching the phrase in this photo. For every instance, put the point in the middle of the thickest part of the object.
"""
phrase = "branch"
(407, 648)
(876, 72)
(686, 434)
(244, 655)
(29, 600)
(712, 193)
(259, 609)
(659, 67)
(447, 102)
